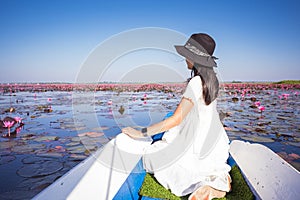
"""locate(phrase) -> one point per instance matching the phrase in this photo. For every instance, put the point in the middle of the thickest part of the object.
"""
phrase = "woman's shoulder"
(194, 89)
(196, 80)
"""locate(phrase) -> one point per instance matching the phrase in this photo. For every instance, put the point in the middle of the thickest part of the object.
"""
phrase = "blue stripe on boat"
(131, 187)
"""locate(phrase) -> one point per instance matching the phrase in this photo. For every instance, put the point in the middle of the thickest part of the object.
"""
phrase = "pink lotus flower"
(109, 102)
(18, 129)
(286, 96)
(261, 108)
(18, 119)
(8, 124)
(257, 103)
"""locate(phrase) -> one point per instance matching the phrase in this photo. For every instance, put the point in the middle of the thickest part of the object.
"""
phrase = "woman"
(192, 155)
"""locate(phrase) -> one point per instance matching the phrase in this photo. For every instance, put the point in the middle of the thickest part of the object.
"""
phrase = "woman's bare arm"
(183, 108)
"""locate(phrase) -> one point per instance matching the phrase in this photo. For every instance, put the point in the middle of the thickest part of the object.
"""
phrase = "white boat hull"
(270, 176)
(100, 176)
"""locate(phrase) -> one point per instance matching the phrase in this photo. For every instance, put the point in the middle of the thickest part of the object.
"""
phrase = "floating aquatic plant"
(56, 137)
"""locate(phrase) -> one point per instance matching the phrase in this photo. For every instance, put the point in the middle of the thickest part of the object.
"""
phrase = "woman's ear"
(190, 64)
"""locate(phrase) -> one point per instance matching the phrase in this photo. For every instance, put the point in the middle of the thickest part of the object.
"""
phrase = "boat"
(105, 175)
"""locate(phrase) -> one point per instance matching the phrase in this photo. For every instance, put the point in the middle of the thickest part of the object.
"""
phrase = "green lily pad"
(296, 144)
(243, 127)
(76, 139)
(33, 159)
(78, 128)
(259, 129)
(72, 144)
(39, 169)
(78, 157)
(102, 128)
(28, 136)
(283, 118)
(8, 144)
(92, 143)
(285, 133)
(46, 138)
(101, 140)
(6, 159)
(86, 139)
(257, 139)
(4, 152)
(72, 126)
(22, 149)
(76, 149)
(37, 145)
(91, 147)
(51, 155)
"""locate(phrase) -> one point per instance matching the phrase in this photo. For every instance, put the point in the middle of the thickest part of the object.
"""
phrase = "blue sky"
(49, 40)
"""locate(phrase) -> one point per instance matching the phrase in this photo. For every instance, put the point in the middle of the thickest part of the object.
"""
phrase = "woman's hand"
(133, 133)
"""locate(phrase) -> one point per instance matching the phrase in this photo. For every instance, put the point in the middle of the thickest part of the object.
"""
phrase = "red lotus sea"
(62, 124)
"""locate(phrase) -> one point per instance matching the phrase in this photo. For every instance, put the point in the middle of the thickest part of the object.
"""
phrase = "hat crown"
(204, 41)
(199, 48)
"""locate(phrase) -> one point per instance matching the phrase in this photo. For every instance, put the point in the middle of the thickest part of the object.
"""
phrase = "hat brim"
(202, 60)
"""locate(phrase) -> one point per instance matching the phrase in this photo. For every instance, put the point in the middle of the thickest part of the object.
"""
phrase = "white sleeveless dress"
(193, 153)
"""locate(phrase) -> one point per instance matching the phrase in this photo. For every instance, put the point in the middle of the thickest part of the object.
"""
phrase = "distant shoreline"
(224, 82)
(267, 82)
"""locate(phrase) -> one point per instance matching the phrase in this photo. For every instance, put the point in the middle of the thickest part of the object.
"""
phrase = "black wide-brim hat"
(199, 49)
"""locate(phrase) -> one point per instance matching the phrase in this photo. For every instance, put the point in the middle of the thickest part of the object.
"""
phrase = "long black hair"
(210, 82)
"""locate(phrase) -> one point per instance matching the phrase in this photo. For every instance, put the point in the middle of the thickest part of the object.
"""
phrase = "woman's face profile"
(189, 63)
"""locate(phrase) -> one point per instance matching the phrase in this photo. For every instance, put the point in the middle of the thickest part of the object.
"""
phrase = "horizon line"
(140, 82)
